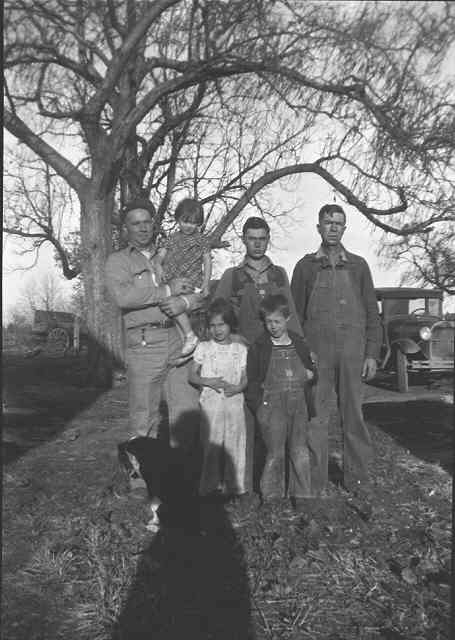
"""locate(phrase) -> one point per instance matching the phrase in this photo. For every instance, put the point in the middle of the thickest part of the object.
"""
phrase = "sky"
(291, 239)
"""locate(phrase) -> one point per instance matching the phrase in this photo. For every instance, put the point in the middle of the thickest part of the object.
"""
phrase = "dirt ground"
(78, 561)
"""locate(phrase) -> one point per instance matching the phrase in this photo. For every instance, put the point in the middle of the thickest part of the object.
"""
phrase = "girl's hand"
(217, 384)
(309, 374)
(230, 389)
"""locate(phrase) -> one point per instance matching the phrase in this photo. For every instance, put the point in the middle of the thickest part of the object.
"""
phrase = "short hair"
(223, 308)
(275, 302)
(137, 203)
(330, 208)
(189, 210)
(255, 223)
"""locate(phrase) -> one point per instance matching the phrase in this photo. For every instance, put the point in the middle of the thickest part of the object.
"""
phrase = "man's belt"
(160, 324)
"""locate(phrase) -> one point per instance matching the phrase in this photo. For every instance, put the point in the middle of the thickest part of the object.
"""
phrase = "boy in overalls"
(280, 371)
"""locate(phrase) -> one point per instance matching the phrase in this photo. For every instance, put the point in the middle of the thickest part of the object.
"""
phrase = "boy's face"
(188, 228)
(276, 324)
(256, 242)
(219, 329)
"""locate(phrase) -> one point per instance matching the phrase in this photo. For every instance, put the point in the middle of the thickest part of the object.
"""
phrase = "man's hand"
(173, 306)
(369, 369)
(180, 285)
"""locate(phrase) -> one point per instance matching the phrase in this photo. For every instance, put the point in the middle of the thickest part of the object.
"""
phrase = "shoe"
(248, 501)
(360, 498)
(189, 345)
(303, 505)
(180, 360)
(273, 503)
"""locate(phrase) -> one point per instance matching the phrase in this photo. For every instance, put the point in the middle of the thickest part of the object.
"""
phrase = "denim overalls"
(283, 420)
(335, 331)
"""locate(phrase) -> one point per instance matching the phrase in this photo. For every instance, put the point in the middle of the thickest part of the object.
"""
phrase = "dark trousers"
(339, 384)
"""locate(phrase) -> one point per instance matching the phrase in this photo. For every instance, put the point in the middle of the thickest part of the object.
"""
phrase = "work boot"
(360, 498)
(273, 503)
(248, 501)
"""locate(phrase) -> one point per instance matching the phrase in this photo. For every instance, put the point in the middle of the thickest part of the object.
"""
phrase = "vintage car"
(415, 335)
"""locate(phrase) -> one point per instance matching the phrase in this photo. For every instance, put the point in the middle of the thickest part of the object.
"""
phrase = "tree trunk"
(103, 317)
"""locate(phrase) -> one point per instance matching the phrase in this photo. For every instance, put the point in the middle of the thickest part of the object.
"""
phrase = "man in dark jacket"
(336, 303)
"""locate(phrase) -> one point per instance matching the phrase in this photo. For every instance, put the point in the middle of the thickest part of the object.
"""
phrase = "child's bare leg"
(190, 339)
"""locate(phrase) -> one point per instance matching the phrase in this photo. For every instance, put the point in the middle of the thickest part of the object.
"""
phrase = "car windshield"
(417, 306)
(433, 307)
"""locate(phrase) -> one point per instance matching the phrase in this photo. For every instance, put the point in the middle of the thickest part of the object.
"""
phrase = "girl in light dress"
(219, 368)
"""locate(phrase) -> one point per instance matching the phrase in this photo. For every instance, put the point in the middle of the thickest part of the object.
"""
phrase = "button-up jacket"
(304, 277)
(132, 284)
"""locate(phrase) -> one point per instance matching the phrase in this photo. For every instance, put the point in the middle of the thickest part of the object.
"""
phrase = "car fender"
(406, 345)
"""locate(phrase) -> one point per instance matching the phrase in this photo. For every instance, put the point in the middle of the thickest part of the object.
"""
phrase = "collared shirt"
(132, 284)
(341, 256)
(246, 285)
(304, 277)
(257, 269)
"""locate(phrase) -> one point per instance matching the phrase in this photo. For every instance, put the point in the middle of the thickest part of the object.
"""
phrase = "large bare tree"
(222, 99)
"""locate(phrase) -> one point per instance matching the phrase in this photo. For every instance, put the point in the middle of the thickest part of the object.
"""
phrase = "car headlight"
(425, 333)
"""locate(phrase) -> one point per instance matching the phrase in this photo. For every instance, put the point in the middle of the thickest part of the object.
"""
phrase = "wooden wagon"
(62, 331)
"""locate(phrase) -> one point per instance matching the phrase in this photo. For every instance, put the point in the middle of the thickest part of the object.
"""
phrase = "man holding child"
(153, 342)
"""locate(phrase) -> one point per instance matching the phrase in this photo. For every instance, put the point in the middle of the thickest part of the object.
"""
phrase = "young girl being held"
(219, 368)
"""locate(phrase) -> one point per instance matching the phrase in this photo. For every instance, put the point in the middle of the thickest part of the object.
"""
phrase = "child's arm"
(195, 378)
(234, 389)
(161, 254)
(206, 273)
(157, 261)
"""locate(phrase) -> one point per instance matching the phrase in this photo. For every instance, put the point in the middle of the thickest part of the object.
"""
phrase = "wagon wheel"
(58, 339)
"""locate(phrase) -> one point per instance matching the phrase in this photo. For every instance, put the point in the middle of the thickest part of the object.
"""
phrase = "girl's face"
(187, 228)
(276, 324)
(219, 329)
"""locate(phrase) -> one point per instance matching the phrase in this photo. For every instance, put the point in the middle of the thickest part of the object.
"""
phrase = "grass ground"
(78, 561)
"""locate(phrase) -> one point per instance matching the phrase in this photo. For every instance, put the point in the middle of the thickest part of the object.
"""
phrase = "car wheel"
(402, 372)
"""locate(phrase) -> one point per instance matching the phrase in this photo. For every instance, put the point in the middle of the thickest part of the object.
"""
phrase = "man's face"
(256, 242)
(331, 228)
(139, 226)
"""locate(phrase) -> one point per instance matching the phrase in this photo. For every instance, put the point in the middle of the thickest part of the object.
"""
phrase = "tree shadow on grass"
(425, 428)
(191, 581)
(40, 396)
